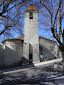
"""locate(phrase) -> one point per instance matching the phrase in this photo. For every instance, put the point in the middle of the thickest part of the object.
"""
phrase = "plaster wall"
(49, 47)
(31, 28)
(13, 52)
(31, 37)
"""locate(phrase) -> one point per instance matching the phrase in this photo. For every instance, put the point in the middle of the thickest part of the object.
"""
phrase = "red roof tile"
(31, 8)
(22, 38)
(47, 39)
(19, 38)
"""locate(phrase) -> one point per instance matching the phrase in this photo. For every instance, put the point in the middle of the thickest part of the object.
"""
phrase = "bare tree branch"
(57, 11)
(45, 7)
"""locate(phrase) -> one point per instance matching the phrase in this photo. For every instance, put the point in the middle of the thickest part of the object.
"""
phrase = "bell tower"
(31, 39)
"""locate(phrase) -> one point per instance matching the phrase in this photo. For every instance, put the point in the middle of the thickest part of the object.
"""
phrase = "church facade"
(29, 48)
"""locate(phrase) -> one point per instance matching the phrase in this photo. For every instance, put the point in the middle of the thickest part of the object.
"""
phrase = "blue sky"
(42, 32)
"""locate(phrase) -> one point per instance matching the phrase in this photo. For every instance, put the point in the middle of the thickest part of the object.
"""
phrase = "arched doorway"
(30, 53)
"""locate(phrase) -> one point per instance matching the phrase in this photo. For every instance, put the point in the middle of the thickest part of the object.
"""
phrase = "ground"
(42, 75)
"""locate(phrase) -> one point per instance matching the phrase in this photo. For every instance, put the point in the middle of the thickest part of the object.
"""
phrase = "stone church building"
(30, 48)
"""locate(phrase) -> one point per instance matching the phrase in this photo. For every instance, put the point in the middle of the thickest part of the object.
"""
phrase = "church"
(30, 48)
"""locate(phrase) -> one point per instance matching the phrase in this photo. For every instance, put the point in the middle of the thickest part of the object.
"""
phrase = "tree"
(11, 16)
(55, 11)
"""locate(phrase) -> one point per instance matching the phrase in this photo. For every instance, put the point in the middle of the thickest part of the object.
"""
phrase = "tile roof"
(22, 38)
(31, 8)
(47, 39)
(19, 38)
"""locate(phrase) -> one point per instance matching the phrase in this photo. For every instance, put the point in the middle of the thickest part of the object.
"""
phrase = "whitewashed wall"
(50, 49)
(13, 52)
(31, 37)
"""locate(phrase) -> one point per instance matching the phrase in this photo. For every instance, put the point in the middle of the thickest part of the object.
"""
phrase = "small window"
(31, 15)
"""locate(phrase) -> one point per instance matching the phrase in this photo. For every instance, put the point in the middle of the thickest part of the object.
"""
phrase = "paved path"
(34, 75)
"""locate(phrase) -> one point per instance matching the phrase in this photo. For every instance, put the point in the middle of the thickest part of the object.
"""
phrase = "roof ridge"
(22, 38)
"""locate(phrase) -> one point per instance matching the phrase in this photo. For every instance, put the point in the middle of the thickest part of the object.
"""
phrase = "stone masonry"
(31, 36)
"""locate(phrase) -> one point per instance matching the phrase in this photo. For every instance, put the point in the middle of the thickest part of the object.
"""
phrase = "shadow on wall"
(27, 62)
(12, 57)
(46, 54)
